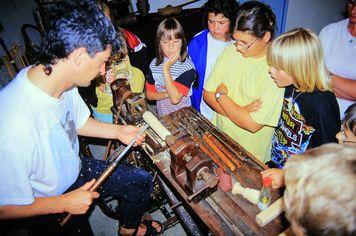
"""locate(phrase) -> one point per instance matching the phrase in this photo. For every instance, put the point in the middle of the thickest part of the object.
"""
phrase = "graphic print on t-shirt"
(63, 141)
(69, 128)
(292, 134)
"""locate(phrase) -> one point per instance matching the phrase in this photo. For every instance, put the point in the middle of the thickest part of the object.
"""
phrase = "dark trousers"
(132, 186)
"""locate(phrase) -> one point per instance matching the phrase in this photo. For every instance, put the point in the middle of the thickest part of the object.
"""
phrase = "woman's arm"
(209, 98)
(240, 115)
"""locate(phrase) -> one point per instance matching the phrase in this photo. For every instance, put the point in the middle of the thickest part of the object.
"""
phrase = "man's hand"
(276, 175)
(171, 60)
(254, 106)
(221, 89)
(127, 132)
(78, 201)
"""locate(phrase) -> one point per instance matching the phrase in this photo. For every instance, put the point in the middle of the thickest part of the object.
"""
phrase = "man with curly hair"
(42, 174)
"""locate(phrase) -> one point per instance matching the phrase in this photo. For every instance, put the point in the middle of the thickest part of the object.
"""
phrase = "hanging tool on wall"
(170, 10)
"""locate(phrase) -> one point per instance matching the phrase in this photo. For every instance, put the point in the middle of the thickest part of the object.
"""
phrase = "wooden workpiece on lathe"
(156, 125)
(248, 193)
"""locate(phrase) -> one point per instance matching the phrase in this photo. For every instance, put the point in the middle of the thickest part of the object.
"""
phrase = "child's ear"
(266, 37)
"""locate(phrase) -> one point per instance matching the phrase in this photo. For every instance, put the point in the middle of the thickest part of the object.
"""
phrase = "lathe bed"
(222, 212)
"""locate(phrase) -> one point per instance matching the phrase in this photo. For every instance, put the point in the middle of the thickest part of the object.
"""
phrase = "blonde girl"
(309, 115)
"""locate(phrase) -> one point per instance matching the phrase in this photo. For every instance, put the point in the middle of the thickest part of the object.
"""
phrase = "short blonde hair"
(299, 53)
(320, 191)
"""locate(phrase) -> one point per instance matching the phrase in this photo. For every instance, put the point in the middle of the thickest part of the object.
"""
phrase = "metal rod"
(108, 171)
(133, 141)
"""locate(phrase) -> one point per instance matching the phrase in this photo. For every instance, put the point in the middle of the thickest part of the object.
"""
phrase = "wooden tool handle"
(224, 150)
(65, 220)
(204, 149)
(93, 188)
(220, 154)
(103, 177)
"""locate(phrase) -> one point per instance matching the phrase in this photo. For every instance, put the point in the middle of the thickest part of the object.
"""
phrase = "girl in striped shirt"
(171, 73)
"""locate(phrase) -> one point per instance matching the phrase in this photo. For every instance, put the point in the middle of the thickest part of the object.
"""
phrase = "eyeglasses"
(344, 139)
(243, 45)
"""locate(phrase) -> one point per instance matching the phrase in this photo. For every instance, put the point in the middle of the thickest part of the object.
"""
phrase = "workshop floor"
(105, 226)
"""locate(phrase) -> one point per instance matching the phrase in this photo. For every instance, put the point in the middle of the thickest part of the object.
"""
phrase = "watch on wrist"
(218, 95)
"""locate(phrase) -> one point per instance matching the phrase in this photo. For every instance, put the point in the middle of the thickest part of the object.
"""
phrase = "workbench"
(222, 213)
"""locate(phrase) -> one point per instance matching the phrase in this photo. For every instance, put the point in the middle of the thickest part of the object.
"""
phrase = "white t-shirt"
(39, 143)
(215, 48)
(340, 54)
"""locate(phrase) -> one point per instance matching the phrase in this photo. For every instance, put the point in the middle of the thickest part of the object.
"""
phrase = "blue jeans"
(132, 186)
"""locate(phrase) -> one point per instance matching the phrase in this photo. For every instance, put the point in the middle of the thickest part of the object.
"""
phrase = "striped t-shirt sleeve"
(186, 76)
(184, 81)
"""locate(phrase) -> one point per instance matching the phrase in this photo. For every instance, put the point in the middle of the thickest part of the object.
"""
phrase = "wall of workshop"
(156, 4)
(313, 14)
(13, 14)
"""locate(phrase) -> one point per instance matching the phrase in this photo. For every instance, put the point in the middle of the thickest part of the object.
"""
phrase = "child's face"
(249, 45)
(346, 136)
(218, 26)
(170, 46)
(280, 77)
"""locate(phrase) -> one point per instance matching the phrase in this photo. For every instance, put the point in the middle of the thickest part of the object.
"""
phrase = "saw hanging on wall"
(170, 10)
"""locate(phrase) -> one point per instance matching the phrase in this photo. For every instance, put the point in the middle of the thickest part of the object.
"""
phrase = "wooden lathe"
(187, 150)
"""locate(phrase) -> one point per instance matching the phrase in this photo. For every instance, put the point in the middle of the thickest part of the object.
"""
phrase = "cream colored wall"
(313, 14)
